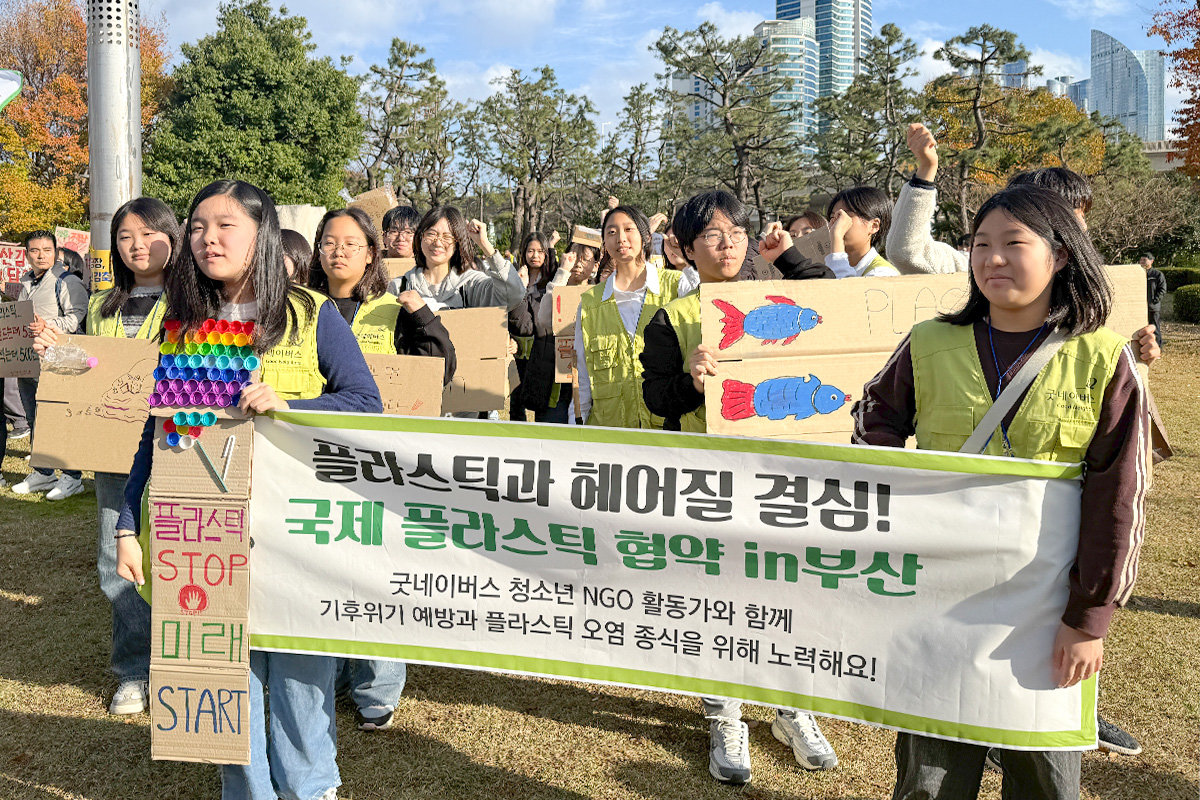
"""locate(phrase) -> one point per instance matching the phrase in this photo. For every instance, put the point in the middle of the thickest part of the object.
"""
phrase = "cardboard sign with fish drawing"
(794, 355)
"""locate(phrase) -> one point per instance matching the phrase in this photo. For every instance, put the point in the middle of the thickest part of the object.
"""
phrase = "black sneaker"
(373, 723)
(1114, 739)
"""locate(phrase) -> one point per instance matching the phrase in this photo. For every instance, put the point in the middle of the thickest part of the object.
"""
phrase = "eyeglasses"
(349, 248)
(400, 233)
(431, 236)
(713, 238)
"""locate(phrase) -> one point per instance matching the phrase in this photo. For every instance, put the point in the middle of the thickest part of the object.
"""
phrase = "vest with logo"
(291, 368)
(1057, 417)
(375, 325)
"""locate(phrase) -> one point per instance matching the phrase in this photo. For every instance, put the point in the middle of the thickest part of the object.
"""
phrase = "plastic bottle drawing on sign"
(780, 322)
(779, 398)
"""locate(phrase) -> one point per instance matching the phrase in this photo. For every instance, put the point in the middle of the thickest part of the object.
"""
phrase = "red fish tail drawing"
(732, 325)
(737, 399)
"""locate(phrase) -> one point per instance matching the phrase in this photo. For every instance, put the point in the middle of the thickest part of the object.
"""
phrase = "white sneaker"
(66, 487)
(130, 698)
(3, 483)
(800, 732)
(36, 482)
(729, 750)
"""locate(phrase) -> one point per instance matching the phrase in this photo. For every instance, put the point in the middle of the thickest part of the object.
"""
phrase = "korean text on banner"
(800, 575)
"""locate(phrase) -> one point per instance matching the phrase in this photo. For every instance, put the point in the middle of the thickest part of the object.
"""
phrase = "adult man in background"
(1156, 289)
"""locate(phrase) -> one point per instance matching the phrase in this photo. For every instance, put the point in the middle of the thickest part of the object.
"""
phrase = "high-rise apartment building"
(841, 29)
(1127, 85)
(796, 41)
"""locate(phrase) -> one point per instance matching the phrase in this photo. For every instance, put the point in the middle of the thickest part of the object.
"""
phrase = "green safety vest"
(876, 263)
(613, 359)
(684, 315)
(292, 369)
(374, 324)
(1057, 417)
(99, 325)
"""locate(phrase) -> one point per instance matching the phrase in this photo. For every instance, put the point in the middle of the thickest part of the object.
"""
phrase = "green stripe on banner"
(1085, 737)
(854, 454)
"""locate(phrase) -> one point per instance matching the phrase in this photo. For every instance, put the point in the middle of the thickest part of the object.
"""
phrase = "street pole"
(114, 121)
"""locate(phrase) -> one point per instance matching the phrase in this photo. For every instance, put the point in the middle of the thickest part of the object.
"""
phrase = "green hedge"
(1180, 276)
(1187, 304)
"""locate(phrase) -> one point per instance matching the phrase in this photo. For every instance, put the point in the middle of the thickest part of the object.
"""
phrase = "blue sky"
(600, 47)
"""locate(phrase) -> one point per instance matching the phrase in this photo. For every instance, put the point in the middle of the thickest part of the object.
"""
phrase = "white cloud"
(611, 79)
(465, 80)
(729, 23)
(1055, 65)
(1092, 9)
(926, 65)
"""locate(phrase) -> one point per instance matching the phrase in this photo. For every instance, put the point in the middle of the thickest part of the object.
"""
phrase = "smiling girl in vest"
(612, 318)
(711, 229)
(146, 239)
(233, 270)
(1034, 276)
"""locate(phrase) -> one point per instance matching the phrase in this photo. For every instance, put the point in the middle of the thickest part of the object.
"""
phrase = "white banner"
(917, 591)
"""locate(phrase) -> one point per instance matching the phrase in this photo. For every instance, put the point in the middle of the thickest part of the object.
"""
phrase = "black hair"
(401, 217)
(1148, 256)
(297, 248)
(73, 263)
(639, 220)
(464, 249)
(549, 266)
(1080, 295)
(373, 282)
(193, 297)
(868, 203)
(811, 217)
(697, 213)
(29, 237)
(157, 216)
(1073, 187)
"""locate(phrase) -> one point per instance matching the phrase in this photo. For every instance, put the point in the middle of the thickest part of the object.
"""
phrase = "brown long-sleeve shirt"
(1116, 478)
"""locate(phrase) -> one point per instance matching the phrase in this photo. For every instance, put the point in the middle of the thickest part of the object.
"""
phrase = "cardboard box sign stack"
(485, 374)
(198, 514)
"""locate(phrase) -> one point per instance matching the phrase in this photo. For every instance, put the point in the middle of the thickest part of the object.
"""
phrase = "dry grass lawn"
(460, 734)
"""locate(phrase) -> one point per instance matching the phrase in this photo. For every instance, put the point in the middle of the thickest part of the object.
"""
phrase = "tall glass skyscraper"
(1129, 86)
(841, 28)
(796, 40)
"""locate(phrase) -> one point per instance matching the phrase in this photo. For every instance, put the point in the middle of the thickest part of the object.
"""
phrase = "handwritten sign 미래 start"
(800, 575)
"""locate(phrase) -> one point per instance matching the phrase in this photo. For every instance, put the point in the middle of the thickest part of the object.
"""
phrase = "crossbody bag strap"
(979, 439)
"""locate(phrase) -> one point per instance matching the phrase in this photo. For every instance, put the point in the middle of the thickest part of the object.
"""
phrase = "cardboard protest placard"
(12, 262)
(184, 473)
(79, 241)
(398, 267)
(794, 356)
(565, 303)
(200, 714)
(480, 337)
(17, 359)
(409, 385)
(814, 245)
(303, 219)
(94, 420)
(376, 203)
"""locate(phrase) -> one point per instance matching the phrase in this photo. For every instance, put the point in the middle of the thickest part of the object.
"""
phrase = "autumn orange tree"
(1178, 23)
(43, 132)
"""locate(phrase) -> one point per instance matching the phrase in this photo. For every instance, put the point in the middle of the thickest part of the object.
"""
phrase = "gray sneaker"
(728, 750)
(800, 732)
(131, 698)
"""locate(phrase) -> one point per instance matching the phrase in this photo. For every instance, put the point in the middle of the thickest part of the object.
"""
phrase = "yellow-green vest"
(1057, 417)
(99, 325)
(613, 359)
(684, 315)
(292, 369)
(878, 262)
(374, 324)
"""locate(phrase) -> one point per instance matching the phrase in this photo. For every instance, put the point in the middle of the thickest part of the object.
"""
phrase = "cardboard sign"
(815, 359)
(17, 359)
(94, 420)
(12, 262)
(565, 304)
(410, 386)
(79, 241)
(480, 337)
(200, 714)
(398, 267)
(814, 245)
(183, 473)
(376, 203)
(303, 219)
(587, 236)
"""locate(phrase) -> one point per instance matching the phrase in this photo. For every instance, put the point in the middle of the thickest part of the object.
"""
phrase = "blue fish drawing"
(779, 398)
(782, 320)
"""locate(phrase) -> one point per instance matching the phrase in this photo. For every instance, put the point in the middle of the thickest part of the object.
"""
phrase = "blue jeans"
(375, 685)
(130, 613)
(937, 769)
(298, 759)
(559, 412)
(28, 389)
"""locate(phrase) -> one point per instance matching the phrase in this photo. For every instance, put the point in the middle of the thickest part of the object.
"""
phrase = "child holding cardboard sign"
(233, 270)
(146, 240)
(711, 229)
(1038, 296)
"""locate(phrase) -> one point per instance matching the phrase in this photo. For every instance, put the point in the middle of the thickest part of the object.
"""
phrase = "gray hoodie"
(494, 282)
(62, 303)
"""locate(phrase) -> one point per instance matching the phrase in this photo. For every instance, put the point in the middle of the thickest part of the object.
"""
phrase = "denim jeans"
(130, 613)
(297, 758)
(559, 412)
(728, 707)
(28, 389)
(375, 685)
(937, 769)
